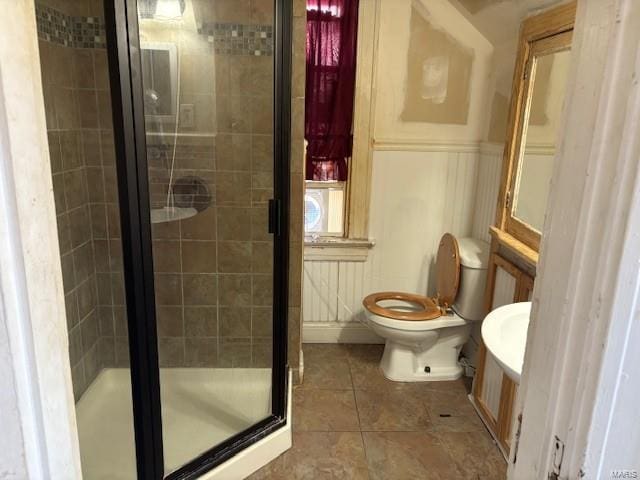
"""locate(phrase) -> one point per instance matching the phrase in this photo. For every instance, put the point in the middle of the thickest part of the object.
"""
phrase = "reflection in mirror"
(548, 79)
(160, 75)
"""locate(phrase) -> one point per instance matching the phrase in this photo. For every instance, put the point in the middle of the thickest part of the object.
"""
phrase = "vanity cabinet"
(494, 393)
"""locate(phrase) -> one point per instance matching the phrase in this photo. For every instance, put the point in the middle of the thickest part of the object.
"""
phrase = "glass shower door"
(207, 81)
(202, 145)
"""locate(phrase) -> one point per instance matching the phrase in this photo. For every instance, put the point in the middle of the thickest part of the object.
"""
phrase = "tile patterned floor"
(349, 422)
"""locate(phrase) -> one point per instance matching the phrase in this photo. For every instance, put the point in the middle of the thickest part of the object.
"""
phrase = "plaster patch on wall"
(498, 121)
(438, 74)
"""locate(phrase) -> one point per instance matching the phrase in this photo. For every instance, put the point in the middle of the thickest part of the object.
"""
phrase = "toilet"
(424, 335)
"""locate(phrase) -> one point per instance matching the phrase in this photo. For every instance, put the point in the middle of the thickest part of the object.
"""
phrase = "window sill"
(327, 249)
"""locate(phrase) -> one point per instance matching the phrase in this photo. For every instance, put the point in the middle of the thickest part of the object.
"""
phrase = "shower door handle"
(274, 216)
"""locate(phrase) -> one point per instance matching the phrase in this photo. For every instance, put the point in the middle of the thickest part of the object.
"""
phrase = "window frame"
(357, 192)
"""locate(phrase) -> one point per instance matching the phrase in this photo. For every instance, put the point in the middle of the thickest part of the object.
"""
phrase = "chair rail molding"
(580, 376)
(424, 145)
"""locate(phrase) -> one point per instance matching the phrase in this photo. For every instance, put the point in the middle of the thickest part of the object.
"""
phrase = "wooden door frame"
(37, 411)
(578, 373)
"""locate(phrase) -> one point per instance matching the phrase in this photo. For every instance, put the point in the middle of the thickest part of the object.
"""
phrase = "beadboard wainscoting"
(332, 302)
(489, 174)
(416, 197)
(503, 294)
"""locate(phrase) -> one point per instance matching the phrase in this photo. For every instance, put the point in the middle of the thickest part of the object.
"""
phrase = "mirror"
(159, 68)
(539, 137)
(535, 122)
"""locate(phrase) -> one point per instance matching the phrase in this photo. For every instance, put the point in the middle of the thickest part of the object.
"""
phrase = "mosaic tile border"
(80, 32)
(239, 39)
(89, 32)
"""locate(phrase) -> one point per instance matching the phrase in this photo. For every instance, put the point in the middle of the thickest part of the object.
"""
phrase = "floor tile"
(324, 410)
(391, 410)
(407, 455)
(475, 454)
(454, 386)
(326, 366)
(446, 422)
(448, 402)
(420, 430)
(364, 362)
(319, 456)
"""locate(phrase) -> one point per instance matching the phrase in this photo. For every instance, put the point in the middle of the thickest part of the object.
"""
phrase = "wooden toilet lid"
(429, 308)
(448, 270)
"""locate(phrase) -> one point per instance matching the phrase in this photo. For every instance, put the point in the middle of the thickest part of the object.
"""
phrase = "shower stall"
(168, 129)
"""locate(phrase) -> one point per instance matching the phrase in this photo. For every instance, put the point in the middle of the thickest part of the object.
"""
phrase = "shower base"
(200, 408)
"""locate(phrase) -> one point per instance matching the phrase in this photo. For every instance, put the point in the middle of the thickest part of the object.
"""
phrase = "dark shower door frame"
(123, 48)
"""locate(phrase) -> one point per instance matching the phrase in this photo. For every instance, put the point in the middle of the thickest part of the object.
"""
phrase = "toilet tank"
(474, 258)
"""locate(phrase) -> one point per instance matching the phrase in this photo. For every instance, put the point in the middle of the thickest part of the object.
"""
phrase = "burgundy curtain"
(331, 73)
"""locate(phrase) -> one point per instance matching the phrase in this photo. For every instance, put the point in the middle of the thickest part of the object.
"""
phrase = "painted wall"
(38, 438)
(12, 458)
(413, 200)
(425, 161)
(457, 38)
(488, 184)
(416, 197)
(451, 185)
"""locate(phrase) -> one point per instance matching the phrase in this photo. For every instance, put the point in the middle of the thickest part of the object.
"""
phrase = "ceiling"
(499, 20)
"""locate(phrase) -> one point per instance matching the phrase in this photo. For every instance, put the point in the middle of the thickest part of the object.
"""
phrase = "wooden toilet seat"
(429, 308)
(448, 280)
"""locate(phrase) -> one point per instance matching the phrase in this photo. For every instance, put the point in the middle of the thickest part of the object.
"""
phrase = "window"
(349, 170)
(324, 209)
(329, 98)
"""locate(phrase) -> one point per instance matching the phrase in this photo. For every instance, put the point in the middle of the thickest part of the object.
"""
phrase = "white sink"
(504, 332)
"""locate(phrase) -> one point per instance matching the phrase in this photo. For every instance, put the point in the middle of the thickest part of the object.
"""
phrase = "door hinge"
(507, 201)
(274, 216)
(556, 461)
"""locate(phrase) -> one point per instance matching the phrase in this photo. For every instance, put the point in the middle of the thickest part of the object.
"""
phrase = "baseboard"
(336, 332)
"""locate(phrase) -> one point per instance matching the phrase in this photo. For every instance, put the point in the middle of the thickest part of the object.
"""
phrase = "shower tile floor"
(349, 422)
(200, 407)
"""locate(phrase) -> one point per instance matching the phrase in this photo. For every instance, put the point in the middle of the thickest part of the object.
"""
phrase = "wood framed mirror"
(541, 72)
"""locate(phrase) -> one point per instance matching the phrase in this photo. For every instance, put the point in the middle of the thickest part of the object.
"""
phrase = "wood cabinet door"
(494, 393)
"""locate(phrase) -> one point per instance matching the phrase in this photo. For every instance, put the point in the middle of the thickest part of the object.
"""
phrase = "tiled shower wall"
(297, 184)
(77, 104)
(213, 271)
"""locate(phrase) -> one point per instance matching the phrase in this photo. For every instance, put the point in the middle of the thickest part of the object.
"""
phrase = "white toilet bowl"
(421, 351)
